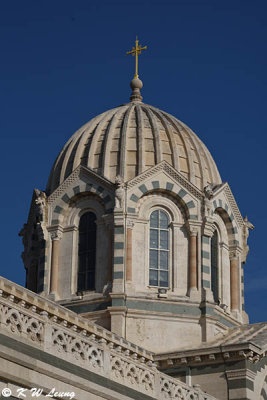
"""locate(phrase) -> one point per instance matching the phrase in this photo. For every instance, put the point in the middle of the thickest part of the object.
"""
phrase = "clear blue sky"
(63, 62)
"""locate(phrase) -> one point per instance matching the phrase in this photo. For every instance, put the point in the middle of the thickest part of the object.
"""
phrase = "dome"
(131, 138)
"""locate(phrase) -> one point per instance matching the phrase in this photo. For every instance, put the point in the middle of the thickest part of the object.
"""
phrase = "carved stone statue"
(119, 192)
(208, 191)
(40, 204)
(246, 227)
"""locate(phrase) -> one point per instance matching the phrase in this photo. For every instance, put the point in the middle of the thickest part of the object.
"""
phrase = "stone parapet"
(59, 333)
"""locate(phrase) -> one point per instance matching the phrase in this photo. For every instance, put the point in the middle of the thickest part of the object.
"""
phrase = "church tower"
(137, 232)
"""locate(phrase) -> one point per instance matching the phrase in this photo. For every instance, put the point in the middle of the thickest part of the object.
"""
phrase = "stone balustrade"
(55, 330)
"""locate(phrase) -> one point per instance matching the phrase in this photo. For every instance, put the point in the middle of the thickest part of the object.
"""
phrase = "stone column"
(234, 283)
(193, 261)
(55, 236)
(110, 253)
(129, 245)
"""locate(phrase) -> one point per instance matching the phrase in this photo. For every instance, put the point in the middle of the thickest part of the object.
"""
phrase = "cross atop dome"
(136, 84)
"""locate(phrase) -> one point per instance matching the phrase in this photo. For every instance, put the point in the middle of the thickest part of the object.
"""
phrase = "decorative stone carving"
(81, 349)
(245, 234)
(124, 370)
(119, 192)
(56, 235)
(130, 224)
(207, 207)
(40, 203)
(18, 323)
(171, 389)
(58, 333)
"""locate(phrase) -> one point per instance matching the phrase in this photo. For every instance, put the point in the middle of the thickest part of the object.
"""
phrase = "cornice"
(225, 188)
(82, 172)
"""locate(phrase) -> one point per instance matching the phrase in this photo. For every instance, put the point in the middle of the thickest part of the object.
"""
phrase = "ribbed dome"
(131, 138)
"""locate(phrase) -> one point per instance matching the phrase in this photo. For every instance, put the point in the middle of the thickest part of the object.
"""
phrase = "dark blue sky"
(63, 62)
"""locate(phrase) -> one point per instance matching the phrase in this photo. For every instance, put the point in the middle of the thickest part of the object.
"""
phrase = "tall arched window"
(214, 265)
(159, 249)
(87, 252)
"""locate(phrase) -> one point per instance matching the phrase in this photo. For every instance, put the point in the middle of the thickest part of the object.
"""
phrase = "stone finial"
(136, 85)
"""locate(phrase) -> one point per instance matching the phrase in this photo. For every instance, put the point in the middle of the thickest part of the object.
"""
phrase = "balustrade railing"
(60, 332)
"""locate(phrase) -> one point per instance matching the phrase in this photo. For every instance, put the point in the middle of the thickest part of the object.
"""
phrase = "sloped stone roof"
(251, 333)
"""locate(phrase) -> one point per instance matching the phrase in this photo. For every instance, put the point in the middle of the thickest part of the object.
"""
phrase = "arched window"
(159, 249)
(214, 265)
(87, 252)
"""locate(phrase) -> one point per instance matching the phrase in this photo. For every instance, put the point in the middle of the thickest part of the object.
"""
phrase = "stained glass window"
(159, 249)
(87, 252)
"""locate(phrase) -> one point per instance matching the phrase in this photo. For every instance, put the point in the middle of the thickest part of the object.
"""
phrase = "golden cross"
(136, 51)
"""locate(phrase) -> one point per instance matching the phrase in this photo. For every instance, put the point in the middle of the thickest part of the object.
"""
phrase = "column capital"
(193, 228)
(234, 252)
(130, 224)
(55, 232)
(56, 235)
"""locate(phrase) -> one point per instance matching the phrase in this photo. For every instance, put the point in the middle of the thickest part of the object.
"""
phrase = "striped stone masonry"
(118, 255)
(189, 203)
(83, 187)
(230, 223)
(205, 262)
(241, 384)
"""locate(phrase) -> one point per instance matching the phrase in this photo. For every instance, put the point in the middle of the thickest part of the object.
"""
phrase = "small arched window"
(87, 252)
(159, 249)
(214, 266)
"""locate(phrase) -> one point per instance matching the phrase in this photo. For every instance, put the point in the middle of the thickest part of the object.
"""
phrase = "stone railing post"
(47, 337)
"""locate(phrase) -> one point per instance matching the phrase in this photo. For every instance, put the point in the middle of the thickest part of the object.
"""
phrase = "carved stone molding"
(241, 374)
(130, 224)
(56, 235)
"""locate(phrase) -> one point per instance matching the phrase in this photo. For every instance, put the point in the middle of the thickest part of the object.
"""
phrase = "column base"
(53, 296)
(194, 294)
